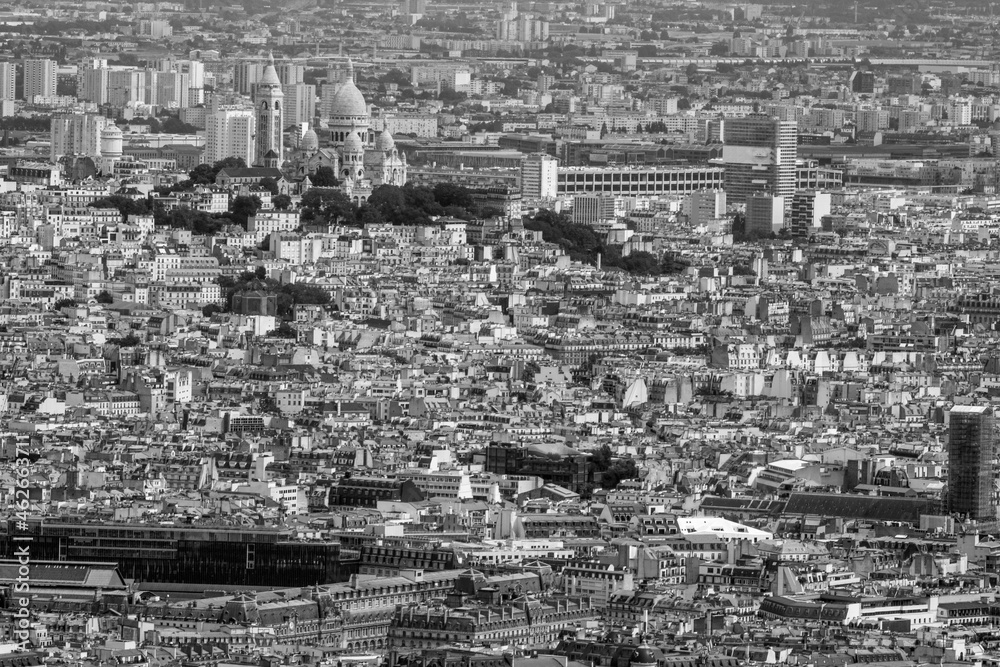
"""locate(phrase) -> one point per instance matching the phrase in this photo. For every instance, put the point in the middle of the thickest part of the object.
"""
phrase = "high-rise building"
(193, 70)
(759, 155)
(125, 86)
(300, 103)
(540, 176)
(39, 78)
(706, 205)
(8, 75)
(413, 7)
(269, 101)
(765, 215)
(92, 82)
(229, 132)
(290, 73)
(77, 134)
(971, 449)
(871, 120)
(862, 82)
(808, 210)
(246, 76)
(593, 209)
(173, 89)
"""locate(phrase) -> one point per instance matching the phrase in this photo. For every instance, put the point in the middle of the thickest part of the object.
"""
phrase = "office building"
(300, 103)
(639, 181)
(125, 86)
(230, 133)
(871, 120)
(555, 464)
(92, 82)
(184, 554)
(765, 215)
(246, 75)
(8, 76)
(593, 209)
(971, 450)
(191, 72)
(759, 156)
(808, 211)
(290, 73)
(704, 206)
(77, 134)
(540, 177)
(863, 83)
(413, 7)
(173, 89)
(39, 79)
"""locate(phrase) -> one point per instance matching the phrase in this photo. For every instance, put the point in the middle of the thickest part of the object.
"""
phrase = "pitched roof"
(251, 172)
(874, 508)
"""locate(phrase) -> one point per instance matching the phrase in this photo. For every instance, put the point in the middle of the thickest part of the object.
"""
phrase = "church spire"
(350, 69)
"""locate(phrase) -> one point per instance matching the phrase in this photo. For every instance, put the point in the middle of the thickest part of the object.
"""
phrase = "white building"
(77, 134)
(230, 133)
(540, 177)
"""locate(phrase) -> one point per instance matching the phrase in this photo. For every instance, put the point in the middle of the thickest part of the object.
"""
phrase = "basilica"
(361, 161)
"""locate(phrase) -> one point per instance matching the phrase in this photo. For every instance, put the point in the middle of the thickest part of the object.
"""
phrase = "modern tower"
(229, 132)
(759, 155)
(540, 176)
(269, 101)
(8, 74)
(39, 78)
(971, 449)
(77, 134)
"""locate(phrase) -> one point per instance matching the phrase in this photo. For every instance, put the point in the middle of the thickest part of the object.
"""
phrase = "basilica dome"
(385, 142)
(352, 144)
(310, 141)
(348, 100)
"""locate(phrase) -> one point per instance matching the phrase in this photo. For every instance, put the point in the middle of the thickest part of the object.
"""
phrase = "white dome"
(385, 142)
(310, 141)
(348, 101)
(111, 131)
(352, 144)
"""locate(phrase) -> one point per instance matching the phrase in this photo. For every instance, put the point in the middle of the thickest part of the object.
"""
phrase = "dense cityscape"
(499, 333)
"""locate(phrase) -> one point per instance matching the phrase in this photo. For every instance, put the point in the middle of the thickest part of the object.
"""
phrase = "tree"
(270, 185)
(65, 303)
(281, 202)
(125, 205)
(642, 263)
(619, 470)
(719, 49)
(129, 340)
(601, 458)
(174, 125)
(211, 309)
(243, 207)
(205, 174)
(105, 297)
(330, 204)
(449, 194)
(284, 330)
(198, 222)
(324, 178)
